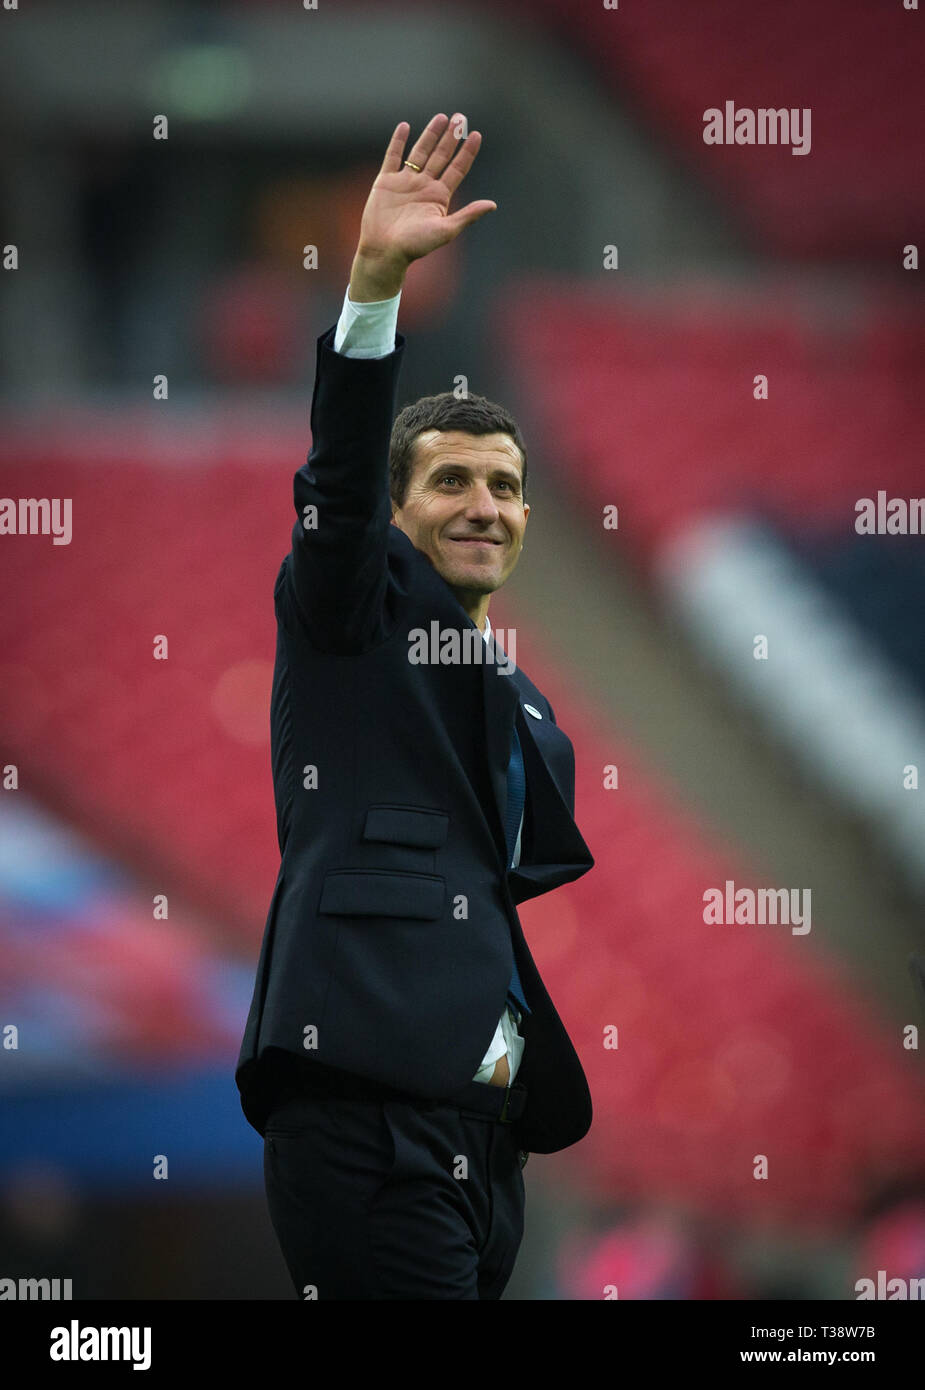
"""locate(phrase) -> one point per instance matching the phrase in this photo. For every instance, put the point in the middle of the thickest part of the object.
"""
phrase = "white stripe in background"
(834, 699)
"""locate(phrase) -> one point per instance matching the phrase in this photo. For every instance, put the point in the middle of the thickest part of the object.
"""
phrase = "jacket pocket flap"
(382, 893)
(407, 825)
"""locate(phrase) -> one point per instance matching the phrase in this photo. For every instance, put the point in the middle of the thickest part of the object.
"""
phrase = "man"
(402, 1056)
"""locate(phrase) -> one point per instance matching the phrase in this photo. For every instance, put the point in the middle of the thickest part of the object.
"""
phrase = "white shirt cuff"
(367, 329)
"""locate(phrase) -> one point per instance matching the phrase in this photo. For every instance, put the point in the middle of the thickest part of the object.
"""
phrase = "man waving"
(402, 1056)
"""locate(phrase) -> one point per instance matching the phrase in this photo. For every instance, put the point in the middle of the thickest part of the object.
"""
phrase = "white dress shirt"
(368, 330)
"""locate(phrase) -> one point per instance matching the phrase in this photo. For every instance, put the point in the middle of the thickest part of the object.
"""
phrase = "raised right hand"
(406, 215)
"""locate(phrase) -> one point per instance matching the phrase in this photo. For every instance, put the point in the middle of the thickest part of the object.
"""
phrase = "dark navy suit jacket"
(387, 946)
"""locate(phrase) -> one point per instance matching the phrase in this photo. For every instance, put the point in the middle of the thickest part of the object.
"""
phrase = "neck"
(475, 605)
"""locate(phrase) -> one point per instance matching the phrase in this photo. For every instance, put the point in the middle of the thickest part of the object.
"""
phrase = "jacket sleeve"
(338, 563)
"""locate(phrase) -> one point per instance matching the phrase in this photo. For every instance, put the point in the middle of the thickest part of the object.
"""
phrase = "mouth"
(473, 540)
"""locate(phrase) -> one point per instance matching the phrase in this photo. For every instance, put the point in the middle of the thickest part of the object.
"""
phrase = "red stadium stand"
(653, 396)
(733, 1041)
(854, 194)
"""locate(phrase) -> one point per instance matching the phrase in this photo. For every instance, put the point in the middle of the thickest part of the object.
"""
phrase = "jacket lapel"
(557, 852)
(501, 699)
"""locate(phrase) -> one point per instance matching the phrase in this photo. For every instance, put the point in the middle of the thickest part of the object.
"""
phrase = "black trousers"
(382, 1198)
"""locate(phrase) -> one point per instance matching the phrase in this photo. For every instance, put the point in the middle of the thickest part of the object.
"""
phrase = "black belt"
(291, 1077)
(502, 1103)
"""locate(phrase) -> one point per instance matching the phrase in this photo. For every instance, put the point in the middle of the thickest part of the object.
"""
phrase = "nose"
(480, 504)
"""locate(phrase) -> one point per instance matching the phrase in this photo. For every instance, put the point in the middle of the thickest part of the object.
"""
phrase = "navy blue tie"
(516, 792)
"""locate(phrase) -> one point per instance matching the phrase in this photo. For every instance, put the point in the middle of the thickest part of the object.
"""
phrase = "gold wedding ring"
(415, 167)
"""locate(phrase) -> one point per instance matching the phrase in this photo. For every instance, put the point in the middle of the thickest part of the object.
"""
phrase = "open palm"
(406, 214)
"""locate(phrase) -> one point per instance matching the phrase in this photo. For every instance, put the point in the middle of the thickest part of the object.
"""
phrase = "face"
(464, 508)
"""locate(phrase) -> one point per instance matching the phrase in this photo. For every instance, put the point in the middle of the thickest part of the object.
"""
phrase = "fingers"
(427, 140)
(470, 213)
(459, 167)
(437, 153)
(392, 161)
(443, 150)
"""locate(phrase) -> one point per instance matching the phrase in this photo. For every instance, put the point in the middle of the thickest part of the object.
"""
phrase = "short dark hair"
(472, 414)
